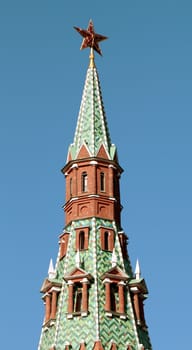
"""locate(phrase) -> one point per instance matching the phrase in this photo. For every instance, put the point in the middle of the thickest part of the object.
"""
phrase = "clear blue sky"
(146, 80)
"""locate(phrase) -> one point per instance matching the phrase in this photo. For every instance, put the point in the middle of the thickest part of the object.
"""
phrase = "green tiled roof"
(96, 325)
(92, 129)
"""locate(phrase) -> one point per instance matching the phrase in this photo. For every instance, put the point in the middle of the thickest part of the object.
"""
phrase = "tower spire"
(92, 130)
(92, 298)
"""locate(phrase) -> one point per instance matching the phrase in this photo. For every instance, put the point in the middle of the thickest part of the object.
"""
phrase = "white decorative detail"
(106, 280)
(55, 289)
(122, 283)
(51, 270)
(75, 165)
(114, 258)
(137, 271)
(73, 199)
(112, 199)
(85, 280)
(112, 166)
(66, 174)
(84, 313)
(45, 295)
(70, 283)
(69, 316)
(78, 259)
(123, 317)
(93, 195)
(93, 162)
(134, 289)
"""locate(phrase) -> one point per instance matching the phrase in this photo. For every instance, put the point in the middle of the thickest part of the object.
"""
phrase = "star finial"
(91, 39)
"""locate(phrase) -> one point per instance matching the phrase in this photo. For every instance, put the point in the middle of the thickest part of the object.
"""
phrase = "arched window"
(106, 240)
(81, 240)
(102, 182)
(84, 181)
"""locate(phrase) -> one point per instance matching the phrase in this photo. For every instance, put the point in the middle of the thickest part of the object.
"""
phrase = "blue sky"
(146, 80)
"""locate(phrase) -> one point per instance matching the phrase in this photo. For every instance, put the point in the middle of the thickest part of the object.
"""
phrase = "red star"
(91, 39)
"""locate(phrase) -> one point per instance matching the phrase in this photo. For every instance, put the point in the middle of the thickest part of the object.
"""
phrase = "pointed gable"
(115, 274)
(78, 274)
(83, 152)
(102, 153)
(48, 284)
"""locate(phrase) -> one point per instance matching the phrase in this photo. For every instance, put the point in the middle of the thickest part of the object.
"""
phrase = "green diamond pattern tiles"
(96, 325)
(92, 129)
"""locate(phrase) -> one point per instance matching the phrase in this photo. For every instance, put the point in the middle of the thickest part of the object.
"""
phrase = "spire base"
(91, 56)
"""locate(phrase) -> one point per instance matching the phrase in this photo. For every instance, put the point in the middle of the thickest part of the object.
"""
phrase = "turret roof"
(92, 130)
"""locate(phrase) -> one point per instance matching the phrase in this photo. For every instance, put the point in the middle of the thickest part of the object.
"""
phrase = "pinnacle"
(137, 270)
(51, 270)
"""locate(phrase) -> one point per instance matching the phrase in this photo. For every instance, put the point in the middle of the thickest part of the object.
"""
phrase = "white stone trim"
(93, 162)
(75, 165)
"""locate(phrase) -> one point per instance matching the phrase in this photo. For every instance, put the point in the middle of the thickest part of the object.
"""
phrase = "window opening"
(84, 182)
(114, 297)
(81, 240)
(106, 240)
(71, 184)
(77, 297)
(102, 181)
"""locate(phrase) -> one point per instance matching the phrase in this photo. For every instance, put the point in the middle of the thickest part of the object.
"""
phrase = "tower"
(93, 300)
